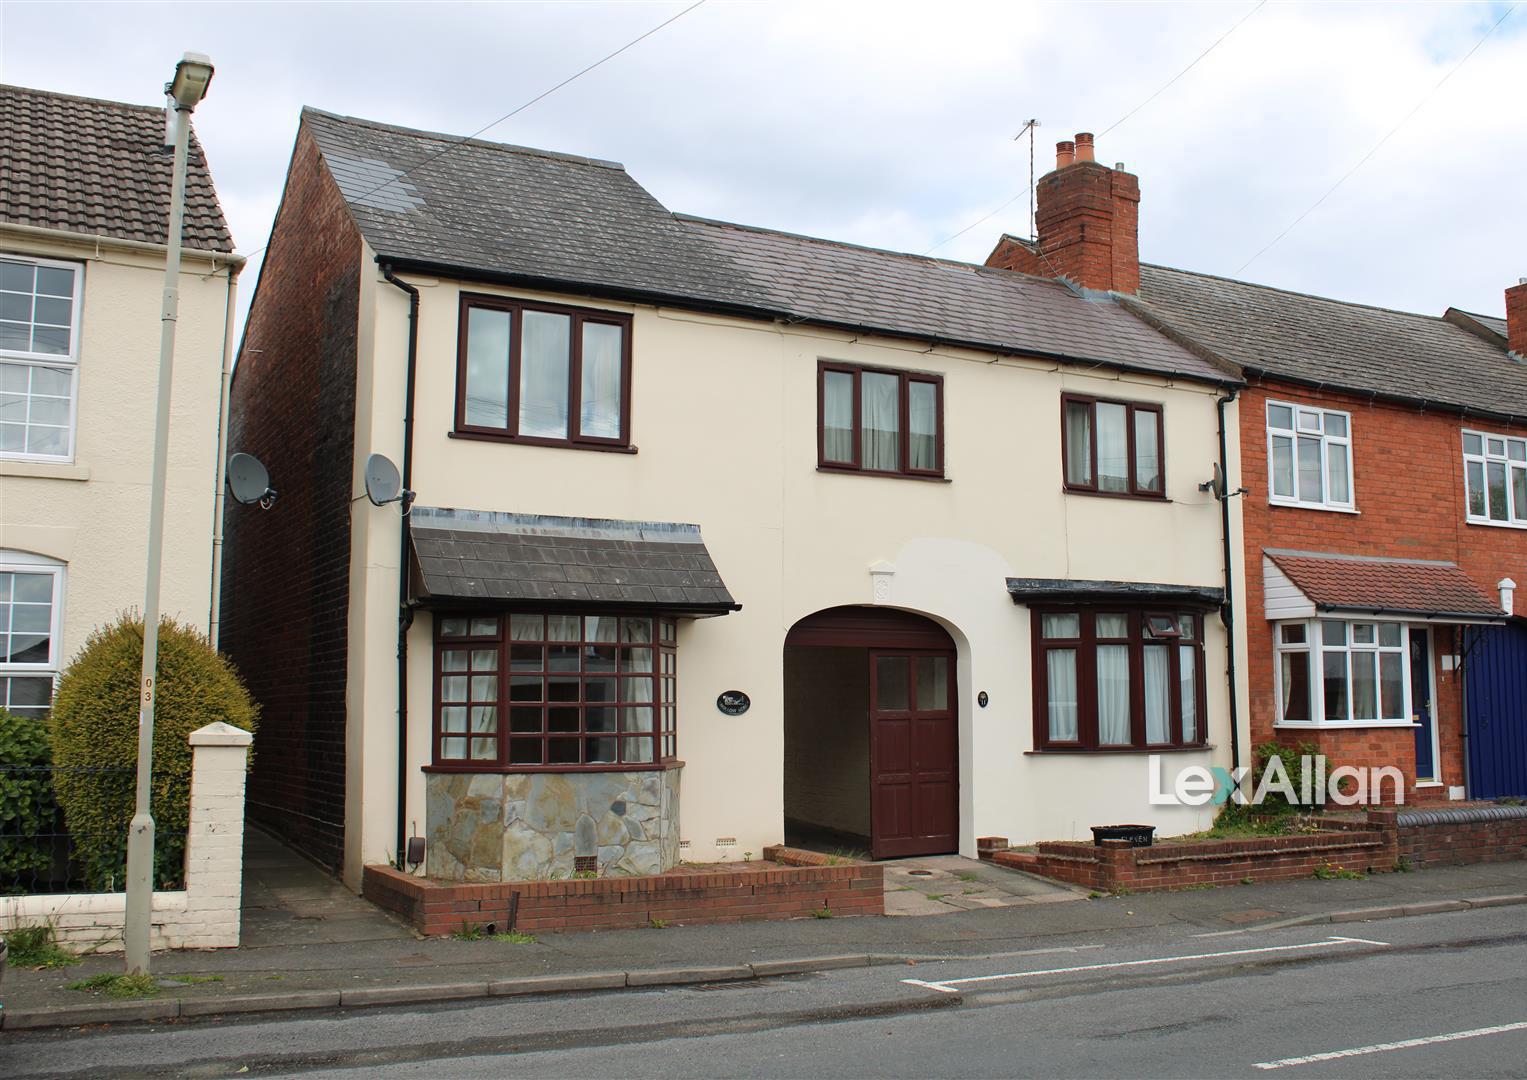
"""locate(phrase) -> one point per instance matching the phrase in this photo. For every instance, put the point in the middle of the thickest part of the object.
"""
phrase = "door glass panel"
(891, 682)
(932, 683)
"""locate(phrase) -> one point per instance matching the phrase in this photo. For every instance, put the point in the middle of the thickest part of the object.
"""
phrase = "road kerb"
(1498, 901)
(675, 976)
(105, 1012)
(557, 984)
(401, 995)
(767, 968)
(1398, 911)
(253, 1003)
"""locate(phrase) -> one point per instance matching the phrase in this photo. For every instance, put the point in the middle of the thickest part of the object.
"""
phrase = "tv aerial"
(384, 485)
(250, 482)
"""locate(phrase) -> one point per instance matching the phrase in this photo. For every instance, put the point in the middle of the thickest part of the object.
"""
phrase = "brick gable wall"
(1409, 488)
(286, 571)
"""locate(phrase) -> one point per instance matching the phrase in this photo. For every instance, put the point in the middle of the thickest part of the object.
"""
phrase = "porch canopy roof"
(1302, 584)
(478, 557)
(1081, 591)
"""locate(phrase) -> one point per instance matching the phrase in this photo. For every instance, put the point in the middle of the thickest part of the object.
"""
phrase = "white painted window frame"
(54, 360)
(1293, 434)
(1315, 647)
(1516, 516)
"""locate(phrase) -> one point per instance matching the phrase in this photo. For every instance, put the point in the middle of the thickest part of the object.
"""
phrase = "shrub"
(28, 812)
(95, 726)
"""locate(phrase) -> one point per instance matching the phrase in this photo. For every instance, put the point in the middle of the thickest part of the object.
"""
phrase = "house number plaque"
(733, 702)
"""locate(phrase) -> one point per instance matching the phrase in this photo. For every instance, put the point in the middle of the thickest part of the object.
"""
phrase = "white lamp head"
(192, 77)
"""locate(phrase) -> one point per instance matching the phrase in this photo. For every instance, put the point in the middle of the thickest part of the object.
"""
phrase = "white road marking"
(948, 986)
(1403, 1044)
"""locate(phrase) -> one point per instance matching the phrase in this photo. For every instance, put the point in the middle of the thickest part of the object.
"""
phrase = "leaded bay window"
(1309, 456)
(1118, 679)
(540, 691)
(1338, 672)
(1495, 478)
(880, 421)
(1112, 447)
(39, 353)
(543, 373)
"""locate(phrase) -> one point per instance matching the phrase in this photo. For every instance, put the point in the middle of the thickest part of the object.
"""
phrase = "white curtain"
(922, 408)
(487, 403)
(838, 416)
(1078, 443)
(1188, 674)
(1113, 447)
(1158, 695)
(879, 414)
(599, 407)
(1113, 695)
(544, 374)
(1060, 672)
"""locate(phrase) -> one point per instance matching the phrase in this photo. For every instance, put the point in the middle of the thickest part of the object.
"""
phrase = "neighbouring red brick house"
(1383, 456)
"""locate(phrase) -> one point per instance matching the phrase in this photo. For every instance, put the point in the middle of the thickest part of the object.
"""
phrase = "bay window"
(534, 691)
(877, 421)
(31, 589)
(1309, 456)
(1112, 447)
(1495, 478)
(39, 354)
(1118, 679)
(543, 373)
(1336, 672)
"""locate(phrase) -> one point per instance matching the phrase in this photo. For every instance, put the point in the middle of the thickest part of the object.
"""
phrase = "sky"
(892, 124)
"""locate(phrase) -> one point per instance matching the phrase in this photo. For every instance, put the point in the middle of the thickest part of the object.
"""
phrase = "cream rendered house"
(720, 535)
(83, 214)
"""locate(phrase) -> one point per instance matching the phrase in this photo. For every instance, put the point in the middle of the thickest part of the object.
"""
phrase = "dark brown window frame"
(1085, 647)
(904, 416)
(1131, 407)
(577, 316)
(664, 703)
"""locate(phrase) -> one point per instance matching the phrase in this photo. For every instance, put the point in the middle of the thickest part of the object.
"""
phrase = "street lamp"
(184, 92)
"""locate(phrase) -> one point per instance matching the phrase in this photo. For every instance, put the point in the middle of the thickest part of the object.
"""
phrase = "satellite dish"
(249, 481)
(384, 485)
(1218, 482)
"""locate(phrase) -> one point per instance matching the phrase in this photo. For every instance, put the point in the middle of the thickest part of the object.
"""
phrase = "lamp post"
(189, 86)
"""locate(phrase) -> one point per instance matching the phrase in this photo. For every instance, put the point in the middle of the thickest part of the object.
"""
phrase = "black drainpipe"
(1227, 613)
(405, 546)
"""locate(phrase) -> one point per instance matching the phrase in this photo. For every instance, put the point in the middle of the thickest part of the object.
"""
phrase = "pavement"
(310, 944)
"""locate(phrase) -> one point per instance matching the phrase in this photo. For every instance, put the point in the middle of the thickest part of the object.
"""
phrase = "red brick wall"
(1455, 843)
(1516, 319)
(1409, 489)
(1087, 216)
(285, 587)
(761, 892)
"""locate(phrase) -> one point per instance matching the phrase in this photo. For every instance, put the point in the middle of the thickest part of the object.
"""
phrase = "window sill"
(515, 770)
(1345, 725)
(44, 470)
(1496, 524)
(1288, 505)
(884, 475)
(556, 444)
(1132, 496)
(1430, 783)
(1093, 751)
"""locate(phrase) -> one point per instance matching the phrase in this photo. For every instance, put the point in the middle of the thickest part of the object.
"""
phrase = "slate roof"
(530, 216)
(465, 555)
(1323, 342)
(1384, 586)
(1069, 590)
(100, 168)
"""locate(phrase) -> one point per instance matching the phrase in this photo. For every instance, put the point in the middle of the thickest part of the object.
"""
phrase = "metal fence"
(39, 853)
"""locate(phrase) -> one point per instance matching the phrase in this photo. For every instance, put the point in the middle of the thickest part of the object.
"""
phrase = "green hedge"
(95, 724)
(28, 812)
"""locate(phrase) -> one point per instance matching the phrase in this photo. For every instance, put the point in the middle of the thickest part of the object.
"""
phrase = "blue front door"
(1495, 671)
(1421, 704)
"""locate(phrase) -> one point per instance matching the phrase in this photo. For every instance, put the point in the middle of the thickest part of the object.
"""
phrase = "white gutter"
(218, 259)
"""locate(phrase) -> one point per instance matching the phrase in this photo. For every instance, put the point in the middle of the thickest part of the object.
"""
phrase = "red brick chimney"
(1516, 318)
(1088, 220)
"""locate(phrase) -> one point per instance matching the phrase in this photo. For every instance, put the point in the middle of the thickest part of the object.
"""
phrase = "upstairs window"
(39, 353)
(539, 373)
(877, 421)
(1309, 454)
(1495, 478)
(1112, 447)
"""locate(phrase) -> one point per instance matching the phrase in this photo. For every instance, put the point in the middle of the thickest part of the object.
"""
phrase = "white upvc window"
(39, 357)
(1309, 456)
(1495, 478)
(1340, 673)
(31, 605)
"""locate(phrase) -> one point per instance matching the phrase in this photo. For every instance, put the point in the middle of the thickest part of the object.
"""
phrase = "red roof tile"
(1378, 586)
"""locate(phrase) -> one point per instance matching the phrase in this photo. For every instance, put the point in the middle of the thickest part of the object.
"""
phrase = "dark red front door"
(914, 758)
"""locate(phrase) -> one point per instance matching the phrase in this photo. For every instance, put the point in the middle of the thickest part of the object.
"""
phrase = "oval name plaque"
(733, 702)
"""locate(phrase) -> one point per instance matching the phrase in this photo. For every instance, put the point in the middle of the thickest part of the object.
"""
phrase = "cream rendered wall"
(93, 513)
(724, 419)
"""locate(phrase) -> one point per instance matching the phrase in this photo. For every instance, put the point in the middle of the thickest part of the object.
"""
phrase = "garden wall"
(1457, 835)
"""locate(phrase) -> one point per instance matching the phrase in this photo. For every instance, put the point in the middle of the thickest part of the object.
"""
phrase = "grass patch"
(822, 913)
(937, 895)
(118, 986)
(192, 980)
(36, 947)
(658, 924)
(514, 937)
(1331, 872)
(470, 932)
(968, 876)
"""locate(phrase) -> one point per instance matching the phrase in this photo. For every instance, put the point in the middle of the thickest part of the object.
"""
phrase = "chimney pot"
(1084, 146)
(1065, 153)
